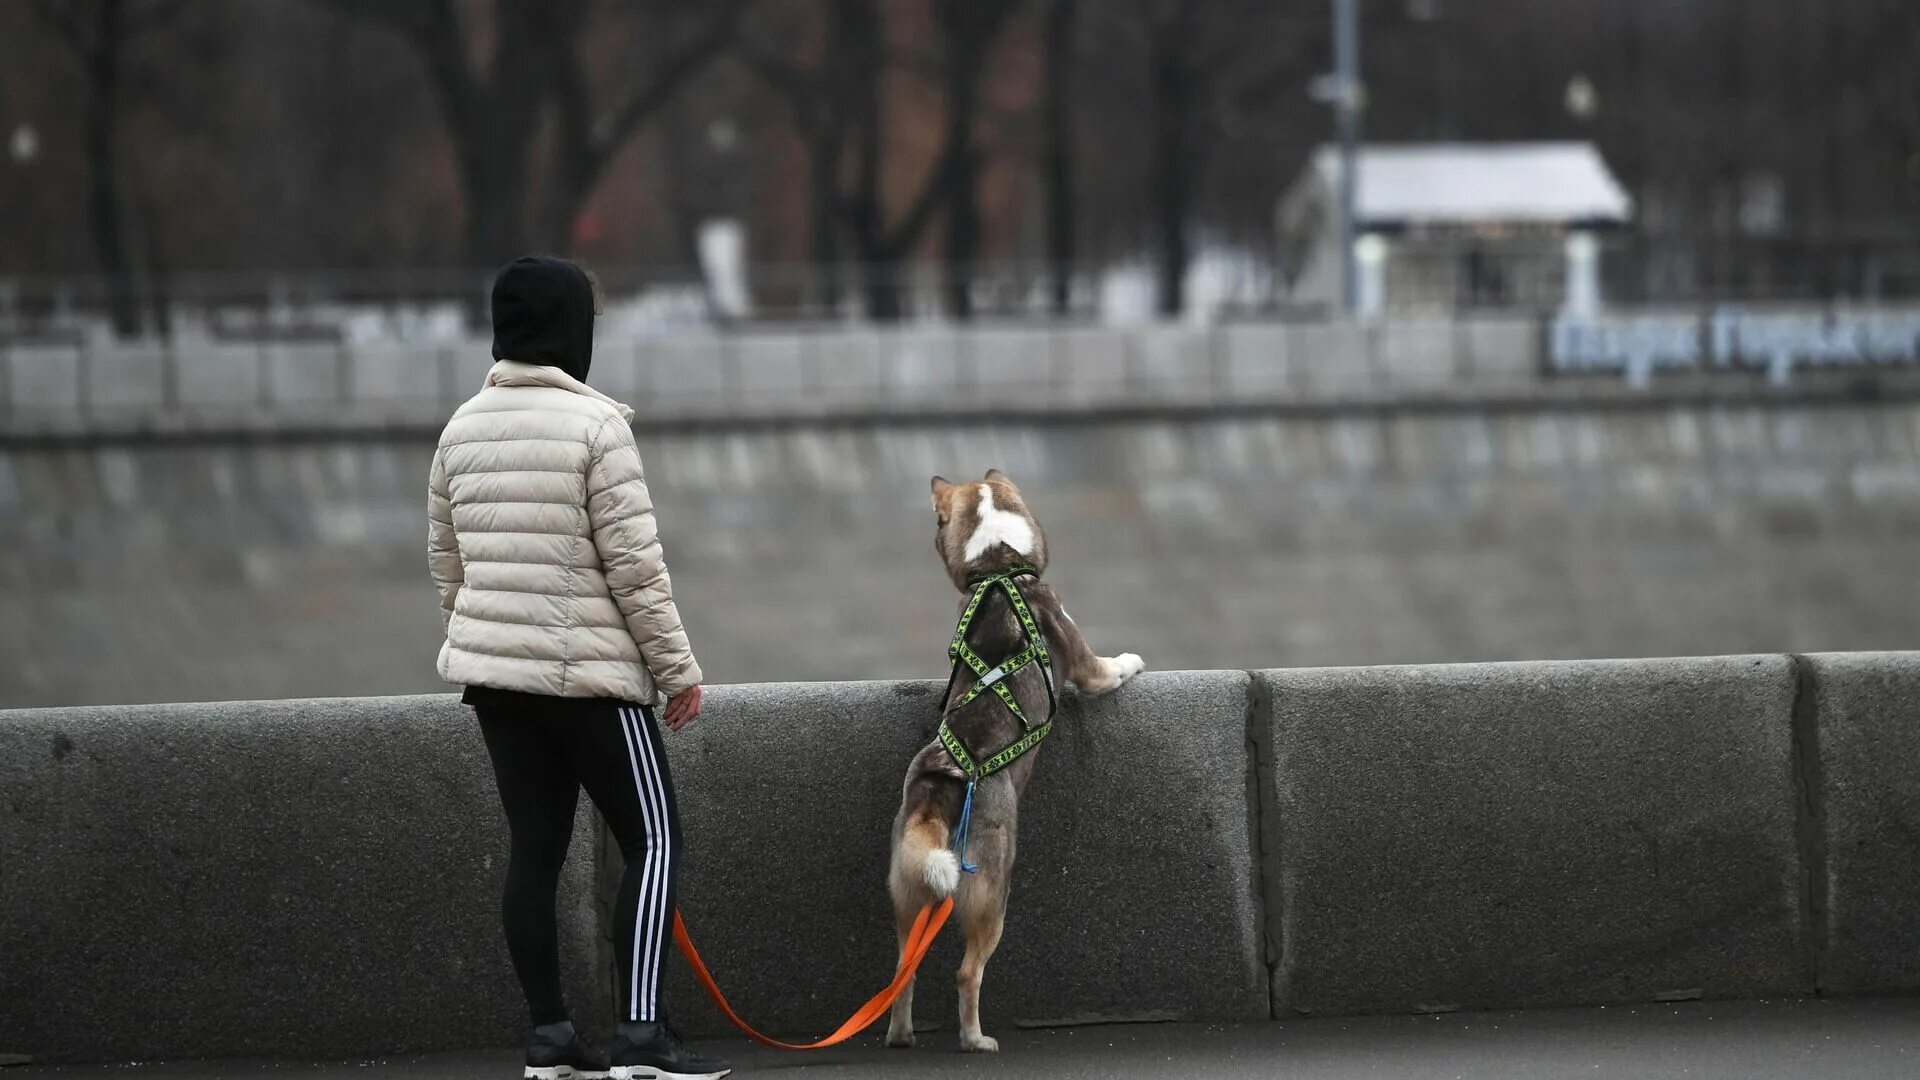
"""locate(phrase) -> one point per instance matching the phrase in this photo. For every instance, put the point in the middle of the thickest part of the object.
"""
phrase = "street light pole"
(1349, 99)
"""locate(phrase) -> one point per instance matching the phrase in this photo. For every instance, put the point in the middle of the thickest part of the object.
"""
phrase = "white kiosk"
(1445, 226)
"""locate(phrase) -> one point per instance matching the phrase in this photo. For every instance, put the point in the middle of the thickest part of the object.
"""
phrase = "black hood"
(543, 314)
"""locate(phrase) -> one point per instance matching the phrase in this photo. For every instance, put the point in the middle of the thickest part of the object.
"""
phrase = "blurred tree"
(1179, 68)
(837, 103)
(858, 52)
(493, 109)
(1057, 105)
(1770, 145)
(99, 33)
(1209, 64)
(822, 98)
(968, 30)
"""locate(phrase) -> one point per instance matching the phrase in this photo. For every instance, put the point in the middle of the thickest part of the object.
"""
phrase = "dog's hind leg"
(900, 1027)
(983, 903)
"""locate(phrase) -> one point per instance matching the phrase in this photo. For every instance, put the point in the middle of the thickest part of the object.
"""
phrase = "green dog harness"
(996, 677)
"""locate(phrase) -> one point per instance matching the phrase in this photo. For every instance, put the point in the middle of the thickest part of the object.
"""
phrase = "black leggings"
(541, 759)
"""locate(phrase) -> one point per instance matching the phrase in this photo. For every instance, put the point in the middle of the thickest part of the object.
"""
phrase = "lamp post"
(1343, 90)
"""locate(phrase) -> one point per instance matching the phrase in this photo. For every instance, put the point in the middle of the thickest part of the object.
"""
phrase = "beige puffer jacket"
(543, 544)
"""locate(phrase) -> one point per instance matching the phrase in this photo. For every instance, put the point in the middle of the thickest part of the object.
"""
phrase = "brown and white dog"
(984, 528)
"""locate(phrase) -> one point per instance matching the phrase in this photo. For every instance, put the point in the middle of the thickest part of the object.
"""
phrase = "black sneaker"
(660, 1056)
(574, 1061)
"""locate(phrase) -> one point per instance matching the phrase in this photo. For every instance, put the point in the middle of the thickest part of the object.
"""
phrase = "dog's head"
(985, 527)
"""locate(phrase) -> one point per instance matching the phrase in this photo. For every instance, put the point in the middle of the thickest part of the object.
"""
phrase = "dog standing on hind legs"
(995, 554)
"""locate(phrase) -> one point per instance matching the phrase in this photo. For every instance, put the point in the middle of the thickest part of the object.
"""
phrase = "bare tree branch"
(63, 17)
(1282, 73)
(153, 16)
(414, 18)
(647, 95)
(800, 89)
(901, 238)
(1123, 21)
(435, 30)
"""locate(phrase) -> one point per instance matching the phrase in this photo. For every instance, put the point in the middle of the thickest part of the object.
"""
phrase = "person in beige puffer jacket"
(561, 624)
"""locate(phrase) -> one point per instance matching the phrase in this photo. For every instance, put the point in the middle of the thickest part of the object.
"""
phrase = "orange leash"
(925, 928)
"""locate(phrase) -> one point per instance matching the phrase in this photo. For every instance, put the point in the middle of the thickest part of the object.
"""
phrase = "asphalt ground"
(1813, 1039)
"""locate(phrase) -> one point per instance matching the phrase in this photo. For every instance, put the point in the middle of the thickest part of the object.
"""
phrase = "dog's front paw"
(900, 1040)
(1121, 668)
(979, 1044)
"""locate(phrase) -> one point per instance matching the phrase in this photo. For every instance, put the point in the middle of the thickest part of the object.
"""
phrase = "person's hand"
(682, 708)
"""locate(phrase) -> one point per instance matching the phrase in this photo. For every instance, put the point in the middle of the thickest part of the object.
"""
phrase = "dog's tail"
(923, 854)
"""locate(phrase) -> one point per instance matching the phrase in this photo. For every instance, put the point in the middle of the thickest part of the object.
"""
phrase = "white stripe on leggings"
(639, 1006)
(633, 760)
(658, 791)
(649, 880)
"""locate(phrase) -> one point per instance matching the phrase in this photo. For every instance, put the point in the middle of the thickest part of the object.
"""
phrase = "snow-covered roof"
(1467, 183)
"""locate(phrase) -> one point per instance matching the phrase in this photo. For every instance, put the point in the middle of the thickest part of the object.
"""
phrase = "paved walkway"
(1783, 1040)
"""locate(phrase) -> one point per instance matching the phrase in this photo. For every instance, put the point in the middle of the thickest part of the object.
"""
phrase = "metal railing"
(1466, 273)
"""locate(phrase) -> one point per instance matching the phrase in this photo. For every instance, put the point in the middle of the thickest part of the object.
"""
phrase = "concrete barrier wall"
(1135, 894)
(1863, 731)
(1533, 834)
(320, 877)
(317, 877)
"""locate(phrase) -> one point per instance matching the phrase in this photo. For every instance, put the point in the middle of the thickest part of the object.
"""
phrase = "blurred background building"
(1444, 226)
(1630, 368)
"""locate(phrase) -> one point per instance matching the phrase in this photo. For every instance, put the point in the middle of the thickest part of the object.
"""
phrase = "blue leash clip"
(960, 834)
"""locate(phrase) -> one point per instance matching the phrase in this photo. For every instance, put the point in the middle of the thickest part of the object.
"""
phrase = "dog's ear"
(940, 489)
(996, 474)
